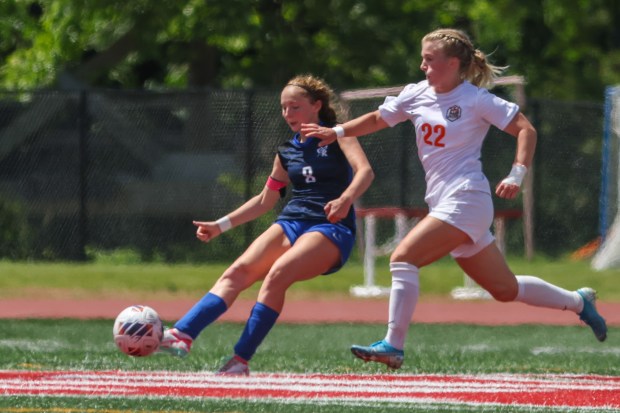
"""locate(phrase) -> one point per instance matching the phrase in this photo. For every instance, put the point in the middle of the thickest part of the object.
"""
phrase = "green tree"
(567, 50)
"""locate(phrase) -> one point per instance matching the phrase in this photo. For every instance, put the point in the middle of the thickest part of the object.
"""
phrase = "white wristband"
(339, 131)
(516, 175)
(224, 223)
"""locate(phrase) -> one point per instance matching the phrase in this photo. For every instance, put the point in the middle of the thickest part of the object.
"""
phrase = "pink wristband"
(274, 184)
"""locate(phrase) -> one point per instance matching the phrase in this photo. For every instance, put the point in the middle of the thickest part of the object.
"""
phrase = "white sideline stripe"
(87, 384)
(430, 403)
(323, 385)
(353, 391)
(201, 377)
(319, 379)
(299, 383)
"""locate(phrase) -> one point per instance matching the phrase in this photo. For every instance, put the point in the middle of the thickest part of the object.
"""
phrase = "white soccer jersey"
(450, 129)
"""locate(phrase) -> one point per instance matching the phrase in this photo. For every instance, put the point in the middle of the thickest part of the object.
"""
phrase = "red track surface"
(317, 311)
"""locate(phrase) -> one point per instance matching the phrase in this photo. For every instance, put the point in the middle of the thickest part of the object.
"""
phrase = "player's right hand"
(206, 231)
(326, 135)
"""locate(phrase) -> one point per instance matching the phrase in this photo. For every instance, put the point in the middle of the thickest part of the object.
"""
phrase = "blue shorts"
(342, 236)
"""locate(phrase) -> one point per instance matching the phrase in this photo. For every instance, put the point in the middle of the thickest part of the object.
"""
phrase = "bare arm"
(521, 128)
(250, 210)
(338, 209)
(363, 125)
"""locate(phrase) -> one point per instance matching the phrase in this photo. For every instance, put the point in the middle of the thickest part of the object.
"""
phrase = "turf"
(437, 349)
(106, 405)
(73, 344)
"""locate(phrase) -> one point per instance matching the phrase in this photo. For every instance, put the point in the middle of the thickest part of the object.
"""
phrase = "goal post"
(608, 253)
(404, 218)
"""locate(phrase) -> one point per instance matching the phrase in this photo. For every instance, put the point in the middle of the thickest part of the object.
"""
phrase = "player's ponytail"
(328, 115)
(480, 72)
(474, 66)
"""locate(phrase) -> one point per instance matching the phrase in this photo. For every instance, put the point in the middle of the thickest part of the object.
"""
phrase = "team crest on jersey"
(453, 113)
(321, 152)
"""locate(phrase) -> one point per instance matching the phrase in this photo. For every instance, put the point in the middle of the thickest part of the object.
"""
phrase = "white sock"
(537, 292)
(403, 299)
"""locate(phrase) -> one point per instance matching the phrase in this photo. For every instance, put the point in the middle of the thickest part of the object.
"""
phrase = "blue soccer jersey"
(318, 175)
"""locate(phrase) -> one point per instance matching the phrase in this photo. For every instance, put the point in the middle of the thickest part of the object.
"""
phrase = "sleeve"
(495, 110)
(283, 160)
(392, 110)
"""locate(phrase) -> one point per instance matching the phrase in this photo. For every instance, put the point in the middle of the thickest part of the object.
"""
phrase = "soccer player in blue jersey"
(313, 235)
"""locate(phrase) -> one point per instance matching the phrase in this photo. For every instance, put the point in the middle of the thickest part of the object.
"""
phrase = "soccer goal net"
(395, 201)
(608, 254)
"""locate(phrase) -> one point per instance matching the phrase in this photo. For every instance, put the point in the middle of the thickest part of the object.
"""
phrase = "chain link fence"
(82, 173)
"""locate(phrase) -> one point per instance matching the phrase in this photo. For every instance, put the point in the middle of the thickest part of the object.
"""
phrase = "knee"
(410, 256)
(400, 255)
(277, 279)
(238, 276)
(504, 293)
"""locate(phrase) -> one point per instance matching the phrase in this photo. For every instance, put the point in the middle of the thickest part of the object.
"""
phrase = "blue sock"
(262, 319)
(203, 313)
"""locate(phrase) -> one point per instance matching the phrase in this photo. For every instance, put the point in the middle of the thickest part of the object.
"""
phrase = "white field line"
(145, 375)
(477, 383)
(296, 385)
(399, 389)
(430, 404)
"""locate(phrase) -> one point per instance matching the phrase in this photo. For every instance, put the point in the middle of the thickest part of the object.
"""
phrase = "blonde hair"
(474, 65)
(316, 89)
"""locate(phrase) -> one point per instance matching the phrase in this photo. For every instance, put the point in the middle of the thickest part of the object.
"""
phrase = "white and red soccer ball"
(138, 331)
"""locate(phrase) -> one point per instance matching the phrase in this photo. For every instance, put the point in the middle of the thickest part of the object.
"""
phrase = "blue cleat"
(381, 352)
(590, 315)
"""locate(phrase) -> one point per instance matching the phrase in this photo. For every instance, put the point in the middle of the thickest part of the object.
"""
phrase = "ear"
(454, 63)
(317, 105)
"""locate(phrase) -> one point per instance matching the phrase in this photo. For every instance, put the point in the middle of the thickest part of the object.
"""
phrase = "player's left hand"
(507, 190)
(509, 186)
(326, 135)
(337, 210)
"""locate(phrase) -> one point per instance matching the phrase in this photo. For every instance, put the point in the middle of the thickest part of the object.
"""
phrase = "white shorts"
(472, 213)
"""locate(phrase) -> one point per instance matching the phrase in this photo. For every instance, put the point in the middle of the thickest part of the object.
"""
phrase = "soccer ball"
(138, 330)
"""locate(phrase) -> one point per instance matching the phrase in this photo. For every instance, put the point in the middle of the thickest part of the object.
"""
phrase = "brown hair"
(316, 89)
(474, 65)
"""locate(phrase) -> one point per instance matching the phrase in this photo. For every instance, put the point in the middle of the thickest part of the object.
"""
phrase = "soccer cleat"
(235, 366)
(381, 352)
(175, 342)
(590, 315)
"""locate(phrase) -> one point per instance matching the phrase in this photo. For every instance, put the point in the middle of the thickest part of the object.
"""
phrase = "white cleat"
(175, 342)
(235, 366)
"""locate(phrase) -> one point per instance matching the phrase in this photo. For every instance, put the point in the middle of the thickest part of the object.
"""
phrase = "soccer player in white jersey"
(452, 112)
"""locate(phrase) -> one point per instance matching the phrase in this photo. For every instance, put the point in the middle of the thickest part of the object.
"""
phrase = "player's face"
(297, 107)
(441, 71)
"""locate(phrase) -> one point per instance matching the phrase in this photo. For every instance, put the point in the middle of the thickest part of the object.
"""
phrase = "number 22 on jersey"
(433, 135)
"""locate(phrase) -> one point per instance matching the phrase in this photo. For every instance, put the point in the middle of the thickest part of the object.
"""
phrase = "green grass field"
(114, 277)
(72, 344)
(44, 345)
